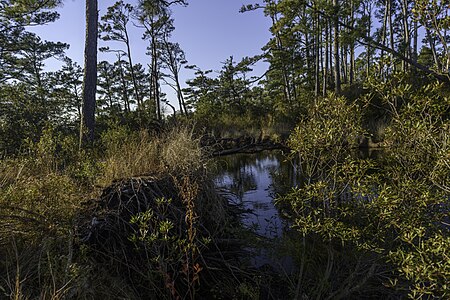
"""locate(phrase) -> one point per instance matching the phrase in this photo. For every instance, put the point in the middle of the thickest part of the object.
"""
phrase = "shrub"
(389, 213)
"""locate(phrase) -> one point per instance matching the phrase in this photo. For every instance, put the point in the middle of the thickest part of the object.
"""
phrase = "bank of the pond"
(244, 144)
(249, 145)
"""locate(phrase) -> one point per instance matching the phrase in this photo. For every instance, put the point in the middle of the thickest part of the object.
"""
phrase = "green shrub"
(389, 213)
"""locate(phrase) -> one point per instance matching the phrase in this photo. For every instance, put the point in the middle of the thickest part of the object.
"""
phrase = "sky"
(209, 31)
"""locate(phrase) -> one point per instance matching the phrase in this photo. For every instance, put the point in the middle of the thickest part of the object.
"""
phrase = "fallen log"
(251, 148)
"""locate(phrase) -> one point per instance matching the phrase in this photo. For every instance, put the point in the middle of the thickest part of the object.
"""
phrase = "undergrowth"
(388, 216)
(44, 189)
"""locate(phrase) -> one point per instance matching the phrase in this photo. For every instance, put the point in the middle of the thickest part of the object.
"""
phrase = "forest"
(108, 185)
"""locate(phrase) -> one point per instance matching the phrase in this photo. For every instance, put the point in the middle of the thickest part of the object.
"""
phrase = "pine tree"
(87, 126)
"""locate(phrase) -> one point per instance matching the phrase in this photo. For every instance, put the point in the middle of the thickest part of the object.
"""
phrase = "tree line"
(316, 47)
(326, 46)
(33, 97)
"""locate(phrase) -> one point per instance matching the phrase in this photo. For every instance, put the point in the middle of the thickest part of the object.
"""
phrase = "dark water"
(254, 180)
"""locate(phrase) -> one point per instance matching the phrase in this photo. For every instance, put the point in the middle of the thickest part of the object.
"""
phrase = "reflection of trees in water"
(243, 171)
(243, 181)
(288, 174)
(239, 169)
(283, 176)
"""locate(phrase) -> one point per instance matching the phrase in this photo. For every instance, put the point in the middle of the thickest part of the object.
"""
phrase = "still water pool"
(254, 180)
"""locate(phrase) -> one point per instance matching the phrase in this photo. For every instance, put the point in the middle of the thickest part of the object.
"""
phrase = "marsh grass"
(42, 194)
(38, 201)
(128, 154)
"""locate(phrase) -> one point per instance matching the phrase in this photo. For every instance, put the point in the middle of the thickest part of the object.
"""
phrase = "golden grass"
(138, 154)
(181, 153)
(40, 195)
(135, 155)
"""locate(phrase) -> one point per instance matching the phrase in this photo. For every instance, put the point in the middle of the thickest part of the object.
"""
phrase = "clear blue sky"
(209, 31)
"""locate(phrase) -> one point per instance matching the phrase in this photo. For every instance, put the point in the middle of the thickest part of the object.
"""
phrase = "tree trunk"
(344, 64)
(391, 32)
(352, 45)
(352, 63)
(155, 78)
(406, 34)
(279, 44)
(383, 36)
(445, 39)
(133, 76)
(108, 84)
(337, 68)
(87, 124)
(433, 49)
(125, 97)
(416, 37)
(181, 102)
(173, 67)
(325, 69)
(308, 56)
(330, 51)
(369, 32)
(317, 61)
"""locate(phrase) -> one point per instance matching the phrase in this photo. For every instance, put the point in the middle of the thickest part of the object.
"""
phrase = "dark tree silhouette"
(90, 72)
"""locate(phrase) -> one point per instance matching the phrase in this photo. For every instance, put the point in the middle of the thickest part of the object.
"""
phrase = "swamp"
(315, 165)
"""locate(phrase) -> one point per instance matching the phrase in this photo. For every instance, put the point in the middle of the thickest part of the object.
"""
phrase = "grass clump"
(38, 202)
(43, 204)
(128, 154)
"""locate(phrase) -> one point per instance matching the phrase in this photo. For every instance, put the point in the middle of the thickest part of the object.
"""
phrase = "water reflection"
(253, 181)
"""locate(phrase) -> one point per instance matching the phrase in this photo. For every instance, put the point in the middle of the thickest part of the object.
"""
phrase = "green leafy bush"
(391, 212)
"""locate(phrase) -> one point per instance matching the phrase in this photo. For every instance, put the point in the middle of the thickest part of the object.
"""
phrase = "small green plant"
(170, 252)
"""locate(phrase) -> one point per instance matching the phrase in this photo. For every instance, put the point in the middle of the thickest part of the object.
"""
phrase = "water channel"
(254, 181)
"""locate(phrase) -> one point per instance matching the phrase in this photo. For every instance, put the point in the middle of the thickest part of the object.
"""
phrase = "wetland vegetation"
(343, 192)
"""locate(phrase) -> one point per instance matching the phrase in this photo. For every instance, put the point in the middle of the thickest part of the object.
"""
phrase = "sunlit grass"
(43, 191)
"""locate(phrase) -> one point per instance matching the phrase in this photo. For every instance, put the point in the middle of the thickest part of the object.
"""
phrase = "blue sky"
(209, 31)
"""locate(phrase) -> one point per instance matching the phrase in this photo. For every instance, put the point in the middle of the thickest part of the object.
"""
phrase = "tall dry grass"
(175, 151)
(38, 202)
(41, 194)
